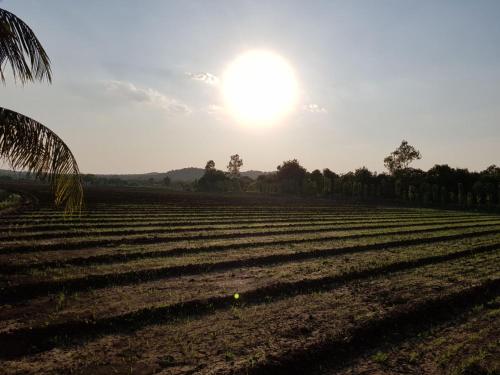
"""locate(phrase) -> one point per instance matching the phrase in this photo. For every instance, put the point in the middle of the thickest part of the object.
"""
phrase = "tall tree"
(210, 166)
(235, 163)
(24, 142)
(401, 158)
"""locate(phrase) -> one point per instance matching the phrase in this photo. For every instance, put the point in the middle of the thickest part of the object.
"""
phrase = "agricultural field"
(188, 284)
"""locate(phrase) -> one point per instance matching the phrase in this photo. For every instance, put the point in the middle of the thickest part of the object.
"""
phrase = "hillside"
(184, 174)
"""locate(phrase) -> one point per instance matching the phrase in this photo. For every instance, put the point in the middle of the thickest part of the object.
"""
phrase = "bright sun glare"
(259, 87)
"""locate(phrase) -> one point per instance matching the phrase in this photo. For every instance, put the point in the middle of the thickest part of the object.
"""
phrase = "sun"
(259, 87)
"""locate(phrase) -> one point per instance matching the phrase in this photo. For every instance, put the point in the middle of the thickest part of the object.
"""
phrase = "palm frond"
(26, 144)
(20, 48)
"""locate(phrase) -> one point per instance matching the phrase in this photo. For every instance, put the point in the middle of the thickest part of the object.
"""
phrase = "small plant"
(229, 356)
(60, 301)
(166, 361)
(380, 357)
(237, 313)
(478, 308)
(413, 357)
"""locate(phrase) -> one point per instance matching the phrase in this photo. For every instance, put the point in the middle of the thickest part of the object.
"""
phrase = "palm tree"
(25, 143)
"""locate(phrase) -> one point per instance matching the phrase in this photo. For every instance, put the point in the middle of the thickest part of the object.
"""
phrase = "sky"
(136, 85)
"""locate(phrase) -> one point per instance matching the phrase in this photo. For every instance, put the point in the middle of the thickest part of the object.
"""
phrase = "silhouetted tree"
(291, 176)
(329, 178)
(363, 175)
(212, 179)
(317, 180)
(235, 163)
(210, 165)
(442, 175)
(401, 158)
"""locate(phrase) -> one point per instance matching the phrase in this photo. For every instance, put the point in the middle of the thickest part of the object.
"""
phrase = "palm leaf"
(26, 144)
(20, 48)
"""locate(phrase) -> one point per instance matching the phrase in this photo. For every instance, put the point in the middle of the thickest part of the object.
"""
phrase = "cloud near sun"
(314, 108)
(149, 96)
(126, 91)
(204, 77)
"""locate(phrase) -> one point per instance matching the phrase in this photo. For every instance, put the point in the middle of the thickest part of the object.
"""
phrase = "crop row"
(204, 236)
(175, 209)
(113, 299)
(19, 221)
(224, 249)
(30, 290)
(202, 212)
(41, 338)
(11, 229)
(214, 228)
(401, 323)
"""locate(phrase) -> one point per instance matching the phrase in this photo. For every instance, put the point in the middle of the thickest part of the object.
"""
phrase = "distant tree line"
(440, 186)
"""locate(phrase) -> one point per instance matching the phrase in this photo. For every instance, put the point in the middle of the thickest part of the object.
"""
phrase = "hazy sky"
(135, 82)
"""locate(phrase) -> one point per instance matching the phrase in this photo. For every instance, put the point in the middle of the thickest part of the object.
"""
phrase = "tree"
(401, 158)
(291, 176)
(24, 142)
(318, 180)
(492, 170)
(212, 180)
(234, 165)
(291, 169)
(363, 175)
(441, 175)
(210, 166)
(329, 180)
(166, 181)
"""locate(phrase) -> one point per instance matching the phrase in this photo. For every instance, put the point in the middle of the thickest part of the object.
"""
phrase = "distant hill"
(8, 174)
(253, 174)
(184, 174)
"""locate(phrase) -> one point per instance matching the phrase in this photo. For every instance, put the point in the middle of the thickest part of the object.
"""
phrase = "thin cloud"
(314, 108)
(214, 109)
(204, 77)
(130, 92)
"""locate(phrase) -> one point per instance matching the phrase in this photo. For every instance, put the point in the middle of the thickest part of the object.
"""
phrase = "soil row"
(19, 222)
(147, 239)
(21, 292)
(24, 341)
(133, 230)
(398, 325)
(130, 255)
